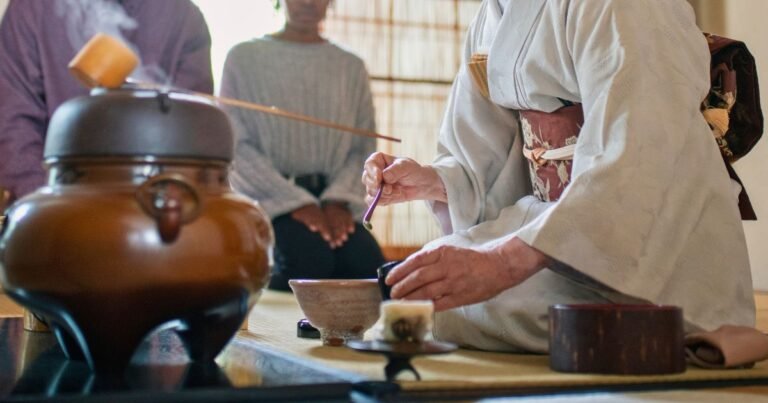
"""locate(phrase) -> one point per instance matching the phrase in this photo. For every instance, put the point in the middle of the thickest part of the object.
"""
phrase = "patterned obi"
(732, 110)
(550, 140)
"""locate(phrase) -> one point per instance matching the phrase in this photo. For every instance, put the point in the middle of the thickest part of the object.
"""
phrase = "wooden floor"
(761, 301)
(397, 252)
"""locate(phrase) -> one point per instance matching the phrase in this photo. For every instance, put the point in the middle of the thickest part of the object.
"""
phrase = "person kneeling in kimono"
(574, 166)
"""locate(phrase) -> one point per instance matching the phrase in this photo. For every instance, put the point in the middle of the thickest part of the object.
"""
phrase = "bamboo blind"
(412, 49)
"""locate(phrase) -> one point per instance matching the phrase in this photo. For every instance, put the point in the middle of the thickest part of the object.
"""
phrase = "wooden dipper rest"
(616, 339)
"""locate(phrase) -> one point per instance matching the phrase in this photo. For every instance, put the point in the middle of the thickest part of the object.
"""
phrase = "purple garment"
(34, 80)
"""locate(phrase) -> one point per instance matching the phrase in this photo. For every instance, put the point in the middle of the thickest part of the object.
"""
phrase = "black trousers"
(302, 254)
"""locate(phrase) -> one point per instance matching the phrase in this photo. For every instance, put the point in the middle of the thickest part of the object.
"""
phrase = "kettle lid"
(139, 123)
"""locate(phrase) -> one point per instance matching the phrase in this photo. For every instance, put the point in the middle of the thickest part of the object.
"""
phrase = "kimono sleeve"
(636, 193)
(479, 153)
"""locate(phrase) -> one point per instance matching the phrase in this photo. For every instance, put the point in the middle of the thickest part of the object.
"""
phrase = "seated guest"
(36, 45)
(580, 171)
(305, 177)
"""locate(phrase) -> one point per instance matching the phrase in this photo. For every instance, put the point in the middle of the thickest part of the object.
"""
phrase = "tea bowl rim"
(334, 283)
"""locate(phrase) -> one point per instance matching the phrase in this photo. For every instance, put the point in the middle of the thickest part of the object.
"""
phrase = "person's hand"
(340, 222)
(453, 276)
(403, 179)
(313, 217)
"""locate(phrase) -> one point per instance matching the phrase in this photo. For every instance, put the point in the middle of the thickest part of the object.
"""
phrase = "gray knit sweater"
(320, 80)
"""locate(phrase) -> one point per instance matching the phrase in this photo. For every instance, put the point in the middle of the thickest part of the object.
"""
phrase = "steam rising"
(86, 18)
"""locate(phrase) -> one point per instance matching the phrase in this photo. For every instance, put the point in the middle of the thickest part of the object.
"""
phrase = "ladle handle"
(272, 110)
(172, 201)
(106, 61)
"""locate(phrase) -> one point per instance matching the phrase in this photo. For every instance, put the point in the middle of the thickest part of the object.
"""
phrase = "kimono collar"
(493, 12)
(511, 36)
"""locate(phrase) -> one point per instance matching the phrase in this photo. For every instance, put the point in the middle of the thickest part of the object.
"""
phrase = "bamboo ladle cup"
(107, 62)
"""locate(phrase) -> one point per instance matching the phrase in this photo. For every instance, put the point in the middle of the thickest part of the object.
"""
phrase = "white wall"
(235, 22)
(745, 20)
(3, 5)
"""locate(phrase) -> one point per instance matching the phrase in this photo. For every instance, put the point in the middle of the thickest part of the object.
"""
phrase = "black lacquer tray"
(399, 354)
(34, 368)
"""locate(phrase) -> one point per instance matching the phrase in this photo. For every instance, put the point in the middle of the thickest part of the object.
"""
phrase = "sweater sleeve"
(22, 103)
(194, 64)
(253, 173)
(345, 184)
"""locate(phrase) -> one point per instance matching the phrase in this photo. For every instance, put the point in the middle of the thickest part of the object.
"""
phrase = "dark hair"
(276, 4)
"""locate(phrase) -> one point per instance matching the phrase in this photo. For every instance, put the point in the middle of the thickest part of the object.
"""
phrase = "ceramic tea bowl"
(342, 309)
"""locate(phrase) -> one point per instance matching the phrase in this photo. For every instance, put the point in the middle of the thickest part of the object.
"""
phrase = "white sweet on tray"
(403, 320)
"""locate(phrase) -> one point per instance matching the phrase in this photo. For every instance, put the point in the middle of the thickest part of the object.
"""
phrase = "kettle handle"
(172, 201)
(5, 199)
(5, 202)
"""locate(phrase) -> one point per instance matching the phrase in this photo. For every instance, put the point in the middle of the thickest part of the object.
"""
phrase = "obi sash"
(550, 140)
(732, 110)
(732, 107)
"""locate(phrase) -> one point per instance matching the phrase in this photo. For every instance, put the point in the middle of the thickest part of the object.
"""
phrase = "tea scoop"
(369, 212)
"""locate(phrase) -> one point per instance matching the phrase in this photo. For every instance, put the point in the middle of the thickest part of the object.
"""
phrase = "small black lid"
(381, 273)
(139, 123)
(305, 330)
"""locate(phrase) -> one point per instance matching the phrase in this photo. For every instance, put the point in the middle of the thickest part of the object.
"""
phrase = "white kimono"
(650, 213)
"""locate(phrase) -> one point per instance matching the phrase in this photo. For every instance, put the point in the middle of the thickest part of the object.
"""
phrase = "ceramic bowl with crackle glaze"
(342, 309)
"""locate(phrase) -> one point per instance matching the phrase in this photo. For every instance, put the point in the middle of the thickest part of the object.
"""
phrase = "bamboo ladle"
(107, 62)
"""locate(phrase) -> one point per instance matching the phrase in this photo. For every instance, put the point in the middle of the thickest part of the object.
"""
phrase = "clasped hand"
(333, 221)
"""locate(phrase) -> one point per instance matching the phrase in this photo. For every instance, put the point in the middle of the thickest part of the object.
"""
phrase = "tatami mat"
(273, 323)
(678, 396)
